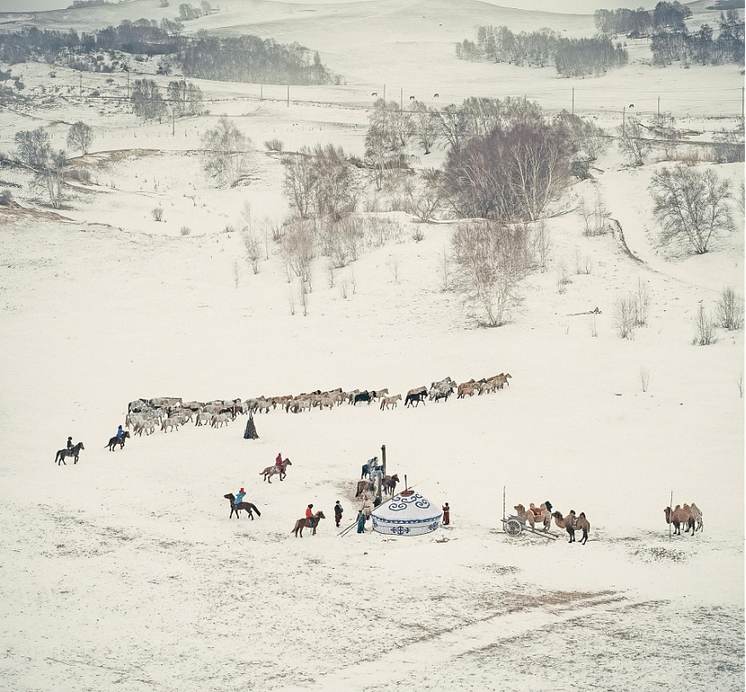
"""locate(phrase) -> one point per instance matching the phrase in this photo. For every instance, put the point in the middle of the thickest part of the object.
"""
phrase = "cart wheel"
(513, 527)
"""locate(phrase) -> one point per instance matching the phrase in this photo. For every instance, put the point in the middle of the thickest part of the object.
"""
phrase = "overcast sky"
(580, 6)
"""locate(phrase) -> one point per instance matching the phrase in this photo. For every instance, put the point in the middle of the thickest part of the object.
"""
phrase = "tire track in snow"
(433, 651)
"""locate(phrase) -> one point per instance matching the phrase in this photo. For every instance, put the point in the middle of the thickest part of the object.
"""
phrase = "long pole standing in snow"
(670, 516)
(573, 100)
(659, 106)
(384, 93)
(624, 119)
(288, 96)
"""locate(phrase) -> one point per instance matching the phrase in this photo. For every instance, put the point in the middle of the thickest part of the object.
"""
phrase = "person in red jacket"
(278, 460)
(309, 515)
(446, 514)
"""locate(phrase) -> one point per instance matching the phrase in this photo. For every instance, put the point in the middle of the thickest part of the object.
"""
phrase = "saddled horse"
(74, 453)
(307, 522)
(118, 440)
(276, 470)
(246, 506)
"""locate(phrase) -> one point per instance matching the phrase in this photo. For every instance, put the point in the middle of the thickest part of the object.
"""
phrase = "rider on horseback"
(120, 432)
(239, 498)
(309, 516)
(69, 443)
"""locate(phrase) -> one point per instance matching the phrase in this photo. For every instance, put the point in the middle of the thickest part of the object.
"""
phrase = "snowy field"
(124, 571)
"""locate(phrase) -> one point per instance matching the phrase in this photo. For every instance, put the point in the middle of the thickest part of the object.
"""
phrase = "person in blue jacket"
(239, 497)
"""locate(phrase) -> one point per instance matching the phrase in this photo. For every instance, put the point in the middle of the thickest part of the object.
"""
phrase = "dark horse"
(114, 441)
(74, 453)
(242, 505)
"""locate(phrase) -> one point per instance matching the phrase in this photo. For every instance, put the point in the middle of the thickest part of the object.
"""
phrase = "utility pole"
(624, 119)
(659, 106)
(261, 92)
(288, 96)
(173, 121)
(384, 93)
(128, 84)
(401, 99)
(80, 88)
(742, 100)
(573, 100)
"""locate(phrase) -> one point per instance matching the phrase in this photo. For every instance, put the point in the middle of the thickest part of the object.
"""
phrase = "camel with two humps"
(307, 523)
(543, 517)
(680, 516)
(572, 523)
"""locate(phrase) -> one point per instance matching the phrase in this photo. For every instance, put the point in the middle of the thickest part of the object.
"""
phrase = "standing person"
(239, 498)
(361, 522)
(446, 514)
(338, 513)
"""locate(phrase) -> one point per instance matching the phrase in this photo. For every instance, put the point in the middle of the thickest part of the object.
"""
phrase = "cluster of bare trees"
(506, 158)
(48, 165)
(703, 46)
(320, 181)
(691, 205)
(571, 57)
(184, 98)
(490, 258)
(225, 153)
(510, 174)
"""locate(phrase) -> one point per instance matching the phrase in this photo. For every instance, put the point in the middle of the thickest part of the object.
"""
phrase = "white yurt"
(406, 514)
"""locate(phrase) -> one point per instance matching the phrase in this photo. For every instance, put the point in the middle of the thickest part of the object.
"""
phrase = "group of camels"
(689, 516)
(543, 515)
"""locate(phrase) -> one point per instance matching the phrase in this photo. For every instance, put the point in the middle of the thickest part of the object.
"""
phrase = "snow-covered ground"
(124, 571)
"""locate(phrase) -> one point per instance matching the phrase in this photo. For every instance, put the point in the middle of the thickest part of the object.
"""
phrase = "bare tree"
(691, 205)
(146, 100)
(426, 198)
(444, 271)
(642, 303)
(424, 125)
(80, 136)
(33, 149)
(298, 249)
(249, 238)
(730, 309)
(225, 153)
(624, 316)
(185, 98)
(644, 378)
(299, 181)
(490, 260)
(705, 328)
(633, 144)
(542, 243)
(335, 191)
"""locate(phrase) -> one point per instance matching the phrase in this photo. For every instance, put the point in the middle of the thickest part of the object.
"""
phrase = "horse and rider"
(70, 450)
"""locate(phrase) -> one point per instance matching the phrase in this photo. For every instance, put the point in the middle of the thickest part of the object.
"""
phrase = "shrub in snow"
(157, 214)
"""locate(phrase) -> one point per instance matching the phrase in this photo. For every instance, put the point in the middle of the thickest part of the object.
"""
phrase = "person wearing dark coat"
(70, 442)
(338, 513)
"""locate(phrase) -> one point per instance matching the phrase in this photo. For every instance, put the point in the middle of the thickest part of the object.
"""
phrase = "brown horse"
(307, 522)
(362, 486)
(114, 441)
(74, 453)
(275, 470)
(247, 506)
(573, 523)
(543, 517)
(389, 484)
